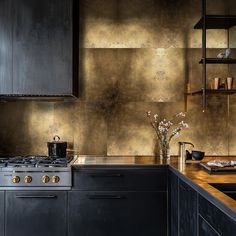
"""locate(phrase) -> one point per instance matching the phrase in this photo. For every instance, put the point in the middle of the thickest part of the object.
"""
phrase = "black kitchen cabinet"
(205, 229)
(36, 213)
(105, 213)
(2, 216)
(118, 201)
(183, 207)
(40, 42)
(187, 210)
(5, 47)
(218, 220)
(120, 179)
(173, 203)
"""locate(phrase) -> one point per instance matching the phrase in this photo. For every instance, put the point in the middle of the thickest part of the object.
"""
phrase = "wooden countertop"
(200, 180)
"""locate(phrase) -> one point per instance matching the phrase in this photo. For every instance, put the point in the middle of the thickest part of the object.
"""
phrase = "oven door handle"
(36, 196)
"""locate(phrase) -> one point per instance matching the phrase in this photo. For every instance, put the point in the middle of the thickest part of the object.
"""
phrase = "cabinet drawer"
(36, 213)
(120, 179)
(116, 213)
(216, 218)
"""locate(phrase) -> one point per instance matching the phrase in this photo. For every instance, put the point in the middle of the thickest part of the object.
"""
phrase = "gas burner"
(34, 161)
(54, 162)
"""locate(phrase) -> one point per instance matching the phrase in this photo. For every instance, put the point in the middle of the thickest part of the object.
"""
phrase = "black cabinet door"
(5, 47)
(117, 213)
(173, 204)
(32, 213)
(42, 47)
(2, 217)
(205, 229)
(187, 210)
(216, 218)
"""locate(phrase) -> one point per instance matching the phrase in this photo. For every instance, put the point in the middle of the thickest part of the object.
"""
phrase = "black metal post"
(204, 55)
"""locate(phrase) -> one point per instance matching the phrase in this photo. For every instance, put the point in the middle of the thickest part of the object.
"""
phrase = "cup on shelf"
(215, 83)
(229, 83)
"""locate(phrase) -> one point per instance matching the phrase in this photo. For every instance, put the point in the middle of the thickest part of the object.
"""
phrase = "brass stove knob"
(55, 179)
(28, 179)
(45, 179)
(15, 179)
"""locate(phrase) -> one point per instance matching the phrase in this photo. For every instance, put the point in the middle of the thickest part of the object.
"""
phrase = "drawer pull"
(105, 175)
(35, 196)
(115, 197)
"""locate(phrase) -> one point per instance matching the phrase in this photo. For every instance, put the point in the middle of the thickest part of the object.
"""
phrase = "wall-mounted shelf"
(218, 61)
(213, 92)
(224, 22)
(217, 22)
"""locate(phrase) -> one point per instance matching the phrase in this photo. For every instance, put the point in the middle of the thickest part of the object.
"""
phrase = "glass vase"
(164, 151)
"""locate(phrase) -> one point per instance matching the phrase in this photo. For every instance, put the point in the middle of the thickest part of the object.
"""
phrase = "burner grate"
(34, 161)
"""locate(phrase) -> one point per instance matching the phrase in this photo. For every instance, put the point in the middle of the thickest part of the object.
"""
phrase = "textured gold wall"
(135, 56)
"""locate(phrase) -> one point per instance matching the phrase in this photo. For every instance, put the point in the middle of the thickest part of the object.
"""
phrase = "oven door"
(36, 213)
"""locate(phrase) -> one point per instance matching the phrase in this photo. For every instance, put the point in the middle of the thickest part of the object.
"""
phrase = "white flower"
(155, 116)
(163, 127)
(181, 114)
(182, 123)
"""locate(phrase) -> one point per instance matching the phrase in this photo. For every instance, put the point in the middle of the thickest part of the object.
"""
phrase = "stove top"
(33, 161)
(35, 172)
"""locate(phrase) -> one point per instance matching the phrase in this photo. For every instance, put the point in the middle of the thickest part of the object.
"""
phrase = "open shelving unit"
(213, 91)
(224, 22)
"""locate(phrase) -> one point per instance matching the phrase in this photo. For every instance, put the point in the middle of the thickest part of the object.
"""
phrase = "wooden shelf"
(213, 92)
(218, 61)
(217, 22)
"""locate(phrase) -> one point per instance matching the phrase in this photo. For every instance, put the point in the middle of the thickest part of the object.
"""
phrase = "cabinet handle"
(35, 196)
(105, 175)
(116, 197)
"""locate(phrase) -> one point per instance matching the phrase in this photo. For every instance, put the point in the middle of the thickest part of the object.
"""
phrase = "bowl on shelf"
(198, 155)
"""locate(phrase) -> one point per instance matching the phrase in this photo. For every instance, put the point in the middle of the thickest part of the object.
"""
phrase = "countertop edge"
(218, 203)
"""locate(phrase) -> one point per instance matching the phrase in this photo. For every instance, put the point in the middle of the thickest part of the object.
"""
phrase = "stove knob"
(28, 179)
(45, 179)
(55, 179)
(15, 179)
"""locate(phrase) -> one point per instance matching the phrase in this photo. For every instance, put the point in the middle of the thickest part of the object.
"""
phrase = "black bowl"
(198, 155)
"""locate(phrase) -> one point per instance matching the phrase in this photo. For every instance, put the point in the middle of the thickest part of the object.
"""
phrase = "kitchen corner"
(191, 196)
(192, 173)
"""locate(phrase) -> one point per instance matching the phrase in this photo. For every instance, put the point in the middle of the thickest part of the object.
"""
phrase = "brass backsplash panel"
(135, 56)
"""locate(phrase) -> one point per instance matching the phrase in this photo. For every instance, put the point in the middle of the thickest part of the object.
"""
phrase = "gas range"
(35, 173)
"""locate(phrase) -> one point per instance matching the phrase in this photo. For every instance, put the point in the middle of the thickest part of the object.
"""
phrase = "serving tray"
(214, 169)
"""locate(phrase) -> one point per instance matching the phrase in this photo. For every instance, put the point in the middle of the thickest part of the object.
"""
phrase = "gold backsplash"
(135, 56)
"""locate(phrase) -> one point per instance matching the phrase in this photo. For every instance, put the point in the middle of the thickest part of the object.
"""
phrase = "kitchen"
(89, 71)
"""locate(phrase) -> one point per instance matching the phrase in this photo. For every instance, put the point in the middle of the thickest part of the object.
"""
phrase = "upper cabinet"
(5, 47)
(39, 48)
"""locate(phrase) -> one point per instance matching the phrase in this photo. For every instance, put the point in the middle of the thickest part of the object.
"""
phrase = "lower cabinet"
(191, 214)
(36, 213)
(220, 223)
(182, 207)
(116, 213)
(187, 210)
(205, 229)
(2, 218)
(173, 204)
